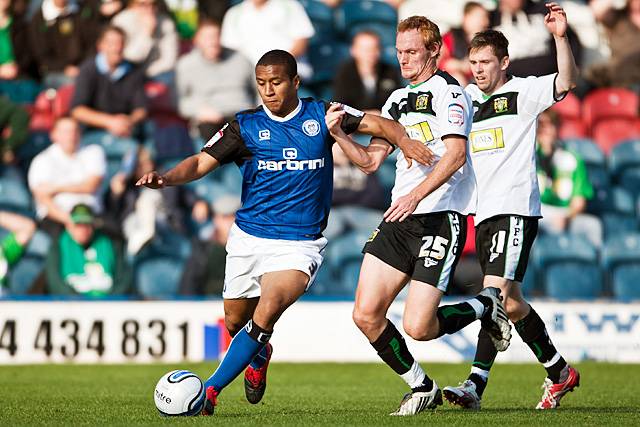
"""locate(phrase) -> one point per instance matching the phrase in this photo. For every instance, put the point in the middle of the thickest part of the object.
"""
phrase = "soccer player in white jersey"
(421, 237)
(502, 144)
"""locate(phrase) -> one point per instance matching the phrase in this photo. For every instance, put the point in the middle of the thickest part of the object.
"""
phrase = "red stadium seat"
(609, 103)
(160, 98)
(62, 100)
(572, 128)
(610, 132)
(42, 116)
(569, 108)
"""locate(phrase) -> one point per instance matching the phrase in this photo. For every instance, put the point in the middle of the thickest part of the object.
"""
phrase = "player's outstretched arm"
(556, 22)
(190, 169)
(452, 160)
(367, 159)
(395, 133)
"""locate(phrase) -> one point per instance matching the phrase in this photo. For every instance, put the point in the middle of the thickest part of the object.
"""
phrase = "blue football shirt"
(287, 168)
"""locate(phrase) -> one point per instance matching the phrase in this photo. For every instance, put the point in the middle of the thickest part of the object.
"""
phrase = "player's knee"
(420, 331)
(366, 319)
(234, 323)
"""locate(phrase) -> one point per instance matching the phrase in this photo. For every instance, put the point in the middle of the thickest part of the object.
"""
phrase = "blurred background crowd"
(97, 92)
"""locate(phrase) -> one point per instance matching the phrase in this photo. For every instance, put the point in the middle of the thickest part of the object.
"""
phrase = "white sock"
(481, 373)
(478, 307)
(415, 376)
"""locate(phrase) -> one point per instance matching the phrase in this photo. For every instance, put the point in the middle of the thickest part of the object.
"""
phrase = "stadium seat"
(62, 100)
(613, 199)
(349, 275)
(36, 142)
(159, 97)
(567, 266)
(621, 257)
(322, 18)
(325, 283)
(387, 175)
(24, 273)
(232, 179)
(345, 248)
(569, 107)
(354, 12)
(42, 114)
(325, 59)
(23, 91)
(624, 164)
(158, 277)
(14, 195)
(572, 128)
(611, 132)
(529, 284)
(39, 244)
(609, 103)
(114, 147)
(616, 225)
(590, 152)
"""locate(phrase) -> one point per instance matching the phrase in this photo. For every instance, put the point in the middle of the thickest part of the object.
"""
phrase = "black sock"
(392, 348)
(452, 318)
(485, 356)
(533, 332)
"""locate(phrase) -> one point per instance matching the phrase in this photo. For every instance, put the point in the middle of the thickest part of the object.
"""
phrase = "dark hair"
(280, 57)
(112, 28)
(366, 32)
(498, 42)
(208, 22)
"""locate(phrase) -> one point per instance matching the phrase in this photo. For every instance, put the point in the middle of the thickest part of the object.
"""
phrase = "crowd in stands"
(96, 92)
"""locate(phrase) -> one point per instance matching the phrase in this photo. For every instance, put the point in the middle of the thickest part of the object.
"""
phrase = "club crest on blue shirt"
(311, 127)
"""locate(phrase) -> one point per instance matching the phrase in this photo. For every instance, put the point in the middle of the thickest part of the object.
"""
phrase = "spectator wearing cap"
(204, 270)
(213, 82)
(84, 261)
(109, 93)
(66, 174)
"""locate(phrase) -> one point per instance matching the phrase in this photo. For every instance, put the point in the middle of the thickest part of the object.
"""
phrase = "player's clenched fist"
(152, 180)
(333, 119)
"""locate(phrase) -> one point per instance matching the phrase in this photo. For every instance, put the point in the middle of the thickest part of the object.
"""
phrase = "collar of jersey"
(497, 91)
(286, 118)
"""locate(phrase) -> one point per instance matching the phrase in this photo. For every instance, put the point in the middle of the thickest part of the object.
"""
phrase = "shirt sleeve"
(351, 120)
(539, 94)
(454, 112)
(227, 145)
(11, 249)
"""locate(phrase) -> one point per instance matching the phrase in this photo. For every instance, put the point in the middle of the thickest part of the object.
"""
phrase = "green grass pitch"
(311, 394)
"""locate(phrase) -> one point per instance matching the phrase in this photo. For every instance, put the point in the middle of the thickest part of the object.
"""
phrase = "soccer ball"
(179, 392)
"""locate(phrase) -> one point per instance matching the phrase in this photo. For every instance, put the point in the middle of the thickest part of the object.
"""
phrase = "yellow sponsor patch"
(420, 132)
(373, 235)
(486, 139)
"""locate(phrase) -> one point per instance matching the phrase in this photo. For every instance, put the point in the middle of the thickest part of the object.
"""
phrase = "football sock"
(483, 361)
(452, 318)
(393, 350)
(243, 349)
(533, 332)
(260, 359)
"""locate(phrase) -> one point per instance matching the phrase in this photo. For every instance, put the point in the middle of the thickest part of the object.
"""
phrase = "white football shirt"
(502, 145)
(428, 111)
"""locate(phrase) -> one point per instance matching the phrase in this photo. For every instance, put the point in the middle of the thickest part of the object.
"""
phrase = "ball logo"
(161, 396)
(311, 127)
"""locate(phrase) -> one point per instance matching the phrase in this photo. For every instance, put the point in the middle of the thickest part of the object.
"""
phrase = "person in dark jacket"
(364, 82)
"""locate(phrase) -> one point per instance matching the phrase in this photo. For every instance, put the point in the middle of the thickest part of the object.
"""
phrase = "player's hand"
(556, 20)
(416, 150)
(401, 208)
(333, 120)
(151, 180)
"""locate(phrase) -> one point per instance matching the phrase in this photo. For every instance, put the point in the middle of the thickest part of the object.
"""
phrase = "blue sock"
(243, 349)
(260, 359)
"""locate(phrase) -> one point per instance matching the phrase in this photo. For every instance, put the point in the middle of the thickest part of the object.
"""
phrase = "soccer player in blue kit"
(275, 248)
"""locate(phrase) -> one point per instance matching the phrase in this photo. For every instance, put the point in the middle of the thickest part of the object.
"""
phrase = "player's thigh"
(378, 285)
(420, 310)
(237, 312)
(503, 245)
(279, 290)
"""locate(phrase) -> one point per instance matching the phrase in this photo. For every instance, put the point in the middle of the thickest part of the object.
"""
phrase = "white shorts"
(249, 257)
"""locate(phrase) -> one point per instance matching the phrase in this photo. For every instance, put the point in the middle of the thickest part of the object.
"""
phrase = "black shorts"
(503, 244)
(427, 247)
